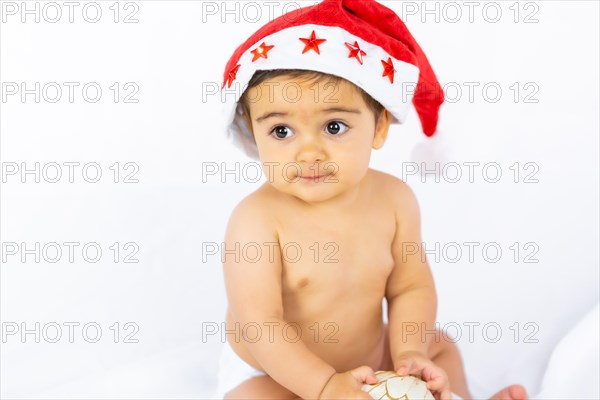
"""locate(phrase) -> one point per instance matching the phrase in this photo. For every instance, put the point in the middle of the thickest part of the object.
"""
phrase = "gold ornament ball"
(391, 386)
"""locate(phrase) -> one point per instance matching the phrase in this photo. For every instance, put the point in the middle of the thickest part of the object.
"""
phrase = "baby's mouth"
(311, 177)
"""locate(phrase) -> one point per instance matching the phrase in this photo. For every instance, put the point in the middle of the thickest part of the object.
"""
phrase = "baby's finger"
(438, 379)
(442, 395)
(405, 366)
(431, 372)
(446, 395)
(364, 374)
(436, 384)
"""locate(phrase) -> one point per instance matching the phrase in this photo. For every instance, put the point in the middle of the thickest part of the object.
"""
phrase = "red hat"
(361, 41)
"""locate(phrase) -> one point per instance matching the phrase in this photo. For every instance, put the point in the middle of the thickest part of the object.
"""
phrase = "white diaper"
(233, 371)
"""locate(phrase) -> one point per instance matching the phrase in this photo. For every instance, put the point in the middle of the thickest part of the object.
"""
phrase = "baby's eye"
(281, 132)
(336, 127)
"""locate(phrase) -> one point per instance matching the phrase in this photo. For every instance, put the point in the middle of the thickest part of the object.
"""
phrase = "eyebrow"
(325, 110)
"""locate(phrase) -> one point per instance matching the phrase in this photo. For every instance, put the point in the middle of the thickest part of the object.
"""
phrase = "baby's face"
(314, 139)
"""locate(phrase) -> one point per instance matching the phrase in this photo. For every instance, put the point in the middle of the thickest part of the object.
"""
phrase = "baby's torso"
(334, 273)
(333, 265)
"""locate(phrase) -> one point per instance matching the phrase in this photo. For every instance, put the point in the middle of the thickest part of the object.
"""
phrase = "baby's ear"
(381, 129)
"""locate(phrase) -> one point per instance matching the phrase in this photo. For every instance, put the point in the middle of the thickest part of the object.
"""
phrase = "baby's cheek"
(268, 174)
(276, 175)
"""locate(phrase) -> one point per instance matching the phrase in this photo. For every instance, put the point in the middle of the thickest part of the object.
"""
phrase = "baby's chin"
(310, 195)
(313, 193)
(314, 198)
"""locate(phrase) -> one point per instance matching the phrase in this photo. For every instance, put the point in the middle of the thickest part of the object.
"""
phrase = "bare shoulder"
(252, 216)
(404, 203)
(389, 186)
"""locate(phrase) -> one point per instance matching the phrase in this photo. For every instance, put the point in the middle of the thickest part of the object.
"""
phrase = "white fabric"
(232, 371)
(574, 366)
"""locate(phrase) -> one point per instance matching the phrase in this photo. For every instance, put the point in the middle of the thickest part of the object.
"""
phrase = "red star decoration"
(355, 51)
(231, 76)
(388, 69)
(261, 51)
(312, 43)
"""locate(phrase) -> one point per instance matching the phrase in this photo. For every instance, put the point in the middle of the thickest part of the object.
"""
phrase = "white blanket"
(574, 366)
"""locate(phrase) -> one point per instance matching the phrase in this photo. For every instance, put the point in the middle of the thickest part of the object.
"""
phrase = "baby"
(324, 239)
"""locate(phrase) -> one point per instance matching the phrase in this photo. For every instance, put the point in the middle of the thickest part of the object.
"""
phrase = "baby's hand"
(346, 385)
(417, 364)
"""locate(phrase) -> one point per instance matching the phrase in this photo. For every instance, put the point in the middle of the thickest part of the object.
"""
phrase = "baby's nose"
(311, 149)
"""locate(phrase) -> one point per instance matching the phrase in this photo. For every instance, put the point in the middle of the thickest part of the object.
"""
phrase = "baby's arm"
(254, 294)
(410, 291)
(412, 300)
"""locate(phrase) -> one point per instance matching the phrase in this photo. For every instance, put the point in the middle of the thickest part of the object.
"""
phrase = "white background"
(175, 54)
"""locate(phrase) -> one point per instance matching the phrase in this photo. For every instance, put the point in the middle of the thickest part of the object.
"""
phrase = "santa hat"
(361, 41)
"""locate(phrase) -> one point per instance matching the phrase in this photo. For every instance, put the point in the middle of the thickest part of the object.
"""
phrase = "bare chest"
(338, 256)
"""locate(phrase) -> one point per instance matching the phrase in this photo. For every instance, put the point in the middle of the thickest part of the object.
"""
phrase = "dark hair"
(306, 76)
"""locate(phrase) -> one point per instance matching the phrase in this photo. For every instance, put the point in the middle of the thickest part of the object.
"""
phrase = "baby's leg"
(261, 387)
(445, 354)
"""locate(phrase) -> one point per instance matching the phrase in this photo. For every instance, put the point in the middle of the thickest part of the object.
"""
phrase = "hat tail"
(429, 95)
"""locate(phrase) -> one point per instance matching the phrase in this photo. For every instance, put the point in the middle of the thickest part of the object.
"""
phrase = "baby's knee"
(441, 342)
(262, 387)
